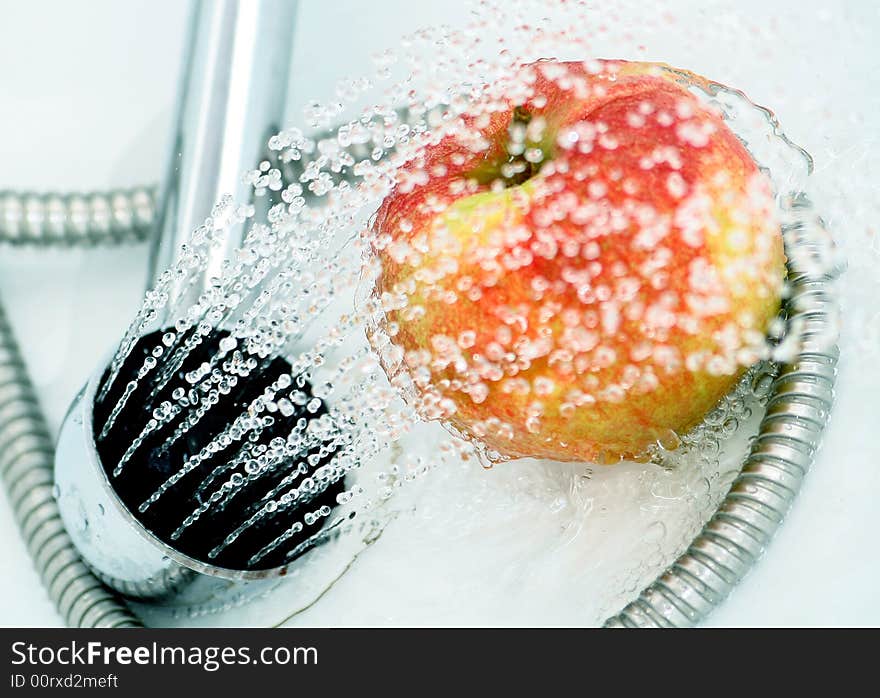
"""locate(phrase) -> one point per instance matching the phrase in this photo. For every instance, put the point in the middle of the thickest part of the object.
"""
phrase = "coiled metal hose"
(762, 494)
(26, 449)
(91, 219)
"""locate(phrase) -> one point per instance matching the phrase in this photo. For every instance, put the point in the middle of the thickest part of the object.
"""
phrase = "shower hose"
(26, 448)
(702, 577)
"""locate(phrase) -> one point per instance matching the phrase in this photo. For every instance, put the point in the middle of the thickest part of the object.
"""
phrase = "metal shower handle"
(232, 99)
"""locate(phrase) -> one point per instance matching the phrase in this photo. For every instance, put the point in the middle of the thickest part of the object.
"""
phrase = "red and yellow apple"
(580, 270)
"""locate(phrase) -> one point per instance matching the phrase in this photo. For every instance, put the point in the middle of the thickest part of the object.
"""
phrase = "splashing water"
(281, 409)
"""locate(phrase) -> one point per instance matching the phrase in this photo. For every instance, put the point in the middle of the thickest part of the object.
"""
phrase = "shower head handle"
(232, 98)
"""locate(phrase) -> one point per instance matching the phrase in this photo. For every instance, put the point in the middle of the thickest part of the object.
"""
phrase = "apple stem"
(520, 120)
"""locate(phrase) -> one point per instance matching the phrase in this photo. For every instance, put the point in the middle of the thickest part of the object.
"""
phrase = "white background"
(87, 90)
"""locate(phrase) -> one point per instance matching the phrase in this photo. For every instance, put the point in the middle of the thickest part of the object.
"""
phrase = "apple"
(580, 268)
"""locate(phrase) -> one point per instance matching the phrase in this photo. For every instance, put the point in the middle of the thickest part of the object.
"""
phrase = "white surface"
(91, 109)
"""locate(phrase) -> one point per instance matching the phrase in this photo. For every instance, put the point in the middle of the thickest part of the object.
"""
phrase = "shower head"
(146, 528)
(232, 98)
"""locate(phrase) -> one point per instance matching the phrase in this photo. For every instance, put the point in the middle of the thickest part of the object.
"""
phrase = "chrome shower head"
(232, 98)
(145, 529)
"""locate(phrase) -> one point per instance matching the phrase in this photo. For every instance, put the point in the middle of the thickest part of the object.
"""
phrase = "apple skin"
(600, 301)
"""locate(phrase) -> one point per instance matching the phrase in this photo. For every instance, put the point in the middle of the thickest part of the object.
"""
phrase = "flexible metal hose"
(27, 452)
(90, 219)
(760, 497)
